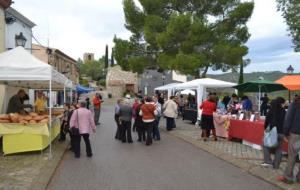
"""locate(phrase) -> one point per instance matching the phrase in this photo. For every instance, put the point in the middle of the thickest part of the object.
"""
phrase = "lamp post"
(20, 39)
(290, 71)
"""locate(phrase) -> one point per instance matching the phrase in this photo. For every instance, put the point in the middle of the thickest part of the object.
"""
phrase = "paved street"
(169, 164)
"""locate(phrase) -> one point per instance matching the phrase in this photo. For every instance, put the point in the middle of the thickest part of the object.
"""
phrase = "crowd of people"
(285, 119)
(145, 114)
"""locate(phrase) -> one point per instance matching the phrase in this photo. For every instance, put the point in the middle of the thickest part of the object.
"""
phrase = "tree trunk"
(204, 72)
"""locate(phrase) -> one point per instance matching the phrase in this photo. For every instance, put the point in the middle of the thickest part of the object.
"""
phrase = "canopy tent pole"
(64, 94)
(200, 93)
(50, 119)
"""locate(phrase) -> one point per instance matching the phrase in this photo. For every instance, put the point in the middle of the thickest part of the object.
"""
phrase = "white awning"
(19, 68)
(205, 82)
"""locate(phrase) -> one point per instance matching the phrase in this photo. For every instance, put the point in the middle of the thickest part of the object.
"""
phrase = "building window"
(89, 57)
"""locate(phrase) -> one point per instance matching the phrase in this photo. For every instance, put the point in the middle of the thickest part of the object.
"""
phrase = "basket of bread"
(31, 118)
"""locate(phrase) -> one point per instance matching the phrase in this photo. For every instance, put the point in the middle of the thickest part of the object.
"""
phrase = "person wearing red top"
(207, 121)
(97, 100)
(148, 113)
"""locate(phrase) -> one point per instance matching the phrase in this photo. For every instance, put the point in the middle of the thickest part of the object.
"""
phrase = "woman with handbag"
(275, 118)
(81, 125)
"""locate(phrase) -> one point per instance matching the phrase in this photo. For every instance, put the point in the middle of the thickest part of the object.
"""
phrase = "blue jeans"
(156, 133)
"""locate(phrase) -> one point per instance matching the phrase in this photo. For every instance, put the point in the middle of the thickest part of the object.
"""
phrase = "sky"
(76, 27)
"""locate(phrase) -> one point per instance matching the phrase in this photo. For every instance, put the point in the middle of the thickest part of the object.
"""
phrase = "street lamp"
(20, 39)
(290, 70)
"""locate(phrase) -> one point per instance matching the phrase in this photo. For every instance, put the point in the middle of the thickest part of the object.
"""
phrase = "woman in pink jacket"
(82, 118)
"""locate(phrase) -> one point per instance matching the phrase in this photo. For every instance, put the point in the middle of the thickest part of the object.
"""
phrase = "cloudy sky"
(76, 26)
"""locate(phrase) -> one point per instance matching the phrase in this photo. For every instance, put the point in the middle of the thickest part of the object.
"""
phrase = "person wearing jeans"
(291, 132)
(275, 118)
(148, 113)
(82, 119)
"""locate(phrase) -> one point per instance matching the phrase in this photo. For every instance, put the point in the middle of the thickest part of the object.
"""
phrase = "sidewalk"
(30, 171)
(242, 156)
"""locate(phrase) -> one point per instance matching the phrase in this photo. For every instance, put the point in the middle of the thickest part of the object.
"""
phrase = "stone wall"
(117, 79)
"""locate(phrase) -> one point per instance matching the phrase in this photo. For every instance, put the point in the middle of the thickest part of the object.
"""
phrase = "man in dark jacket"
(15, 104)
(292, 131)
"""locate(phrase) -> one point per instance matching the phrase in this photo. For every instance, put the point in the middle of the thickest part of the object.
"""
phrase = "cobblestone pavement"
(238, 154)
(169, 164)
(29, 171)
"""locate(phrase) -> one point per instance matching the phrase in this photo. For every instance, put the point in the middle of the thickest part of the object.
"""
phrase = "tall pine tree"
(112, 60)
(184, 35)
(106, 57)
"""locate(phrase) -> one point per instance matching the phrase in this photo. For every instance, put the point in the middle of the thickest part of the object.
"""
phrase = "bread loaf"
(44, 121)
(38, 118)
(4, 121)
(33, 114)
(14, 117)
(24, 122)
(4, 117)
(32, 121)
(27, 118)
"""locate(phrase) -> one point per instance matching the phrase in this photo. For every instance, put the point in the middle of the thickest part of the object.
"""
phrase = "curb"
(42, 181)
(253, 170)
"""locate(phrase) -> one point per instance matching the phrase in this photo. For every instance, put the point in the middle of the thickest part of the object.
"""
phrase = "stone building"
(59, 60)
(4, 4)
(88, 57)
(118, 82)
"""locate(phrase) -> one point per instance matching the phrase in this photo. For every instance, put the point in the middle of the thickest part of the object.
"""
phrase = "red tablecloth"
(249, 131)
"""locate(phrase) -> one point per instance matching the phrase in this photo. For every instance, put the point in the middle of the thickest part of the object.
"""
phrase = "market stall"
(18, 68)
(250, 131)
(259, 86)
(168, 87)
(201, 85)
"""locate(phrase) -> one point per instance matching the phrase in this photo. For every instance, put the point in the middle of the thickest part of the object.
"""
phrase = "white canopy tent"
(18, 68)
(167, 87)
(188, 91)
(200, 85)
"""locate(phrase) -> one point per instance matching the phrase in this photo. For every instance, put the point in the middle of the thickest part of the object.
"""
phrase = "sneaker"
(266, 164)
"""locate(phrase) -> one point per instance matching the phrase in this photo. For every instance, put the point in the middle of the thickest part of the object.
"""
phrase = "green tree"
(290, 10)
(112, 60)
(106, 57)
(93, 69)
(184, 35)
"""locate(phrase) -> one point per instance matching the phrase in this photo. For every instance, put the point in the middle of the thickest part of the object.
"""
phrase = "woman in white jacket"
(170, 112)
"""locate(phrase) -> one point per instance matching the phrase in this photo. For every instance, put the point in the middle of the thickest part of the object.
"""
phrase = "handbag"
(75, 130)
(270, 137)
